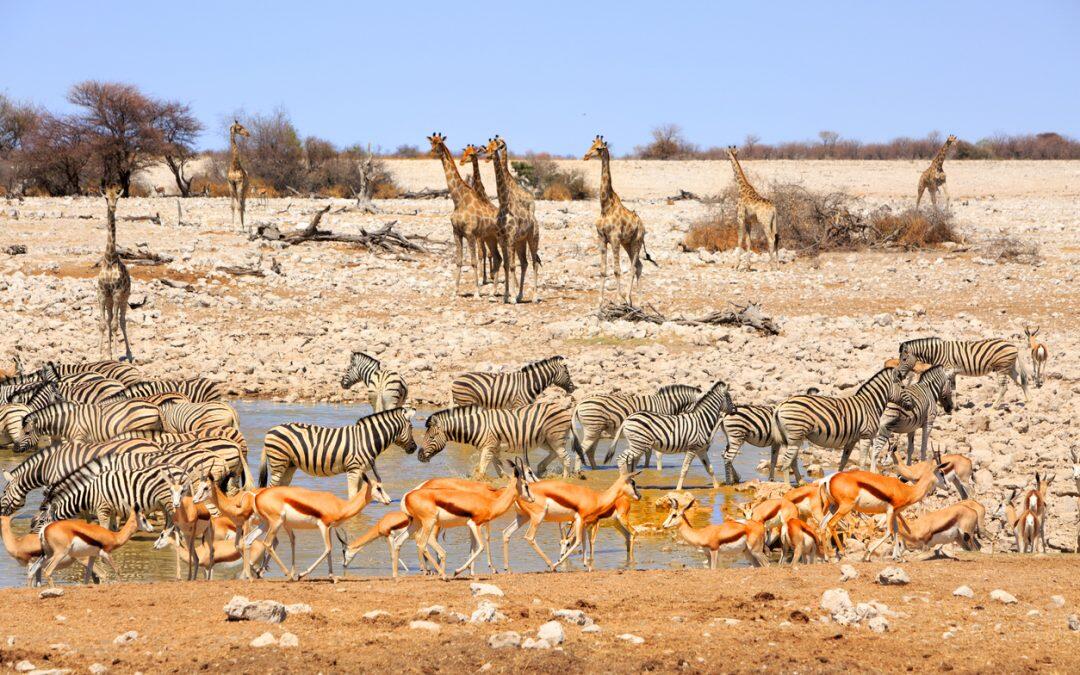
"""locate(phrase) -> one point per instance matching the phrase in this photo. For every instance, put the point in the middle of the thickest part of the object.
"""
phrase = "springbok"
(238, 509)
(65, 540)
(958, 470)
(744, 536)
(1039, 354)
(393, 525)
(437, 508)
(219, 546)
(293, 508)
(801, 541)
(960, 523)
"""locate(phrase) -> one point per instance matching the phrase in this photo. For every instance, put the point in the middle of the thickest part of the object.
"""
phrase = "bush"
(544, 177)
(912, 228)
(667, 143)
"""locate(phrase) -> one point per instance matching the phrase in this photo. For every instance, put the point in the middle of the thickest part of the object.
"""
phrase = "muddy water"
(401, 472)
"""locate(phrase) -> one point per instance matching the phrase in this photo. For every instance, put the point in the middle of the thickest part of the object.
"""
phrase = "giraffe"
(518, 230)
(114, 284)
(237, 176)
(751, 207)
(934, 176)
(617, 226)
(473, 218)
(489, 250)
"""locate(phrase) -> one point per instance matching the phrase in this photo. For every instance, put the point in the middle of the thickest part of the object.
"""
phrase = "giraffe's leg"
(474, 244)
(233, 199)
(459, 239)
(617, 264)
(121, 313)
(773, 235)
(105, 307)
(243, 202)
(933, 196)
(534, 255)
(945, 191)
(633, 251)
(523, 259)
(918, 200)
(504, 249)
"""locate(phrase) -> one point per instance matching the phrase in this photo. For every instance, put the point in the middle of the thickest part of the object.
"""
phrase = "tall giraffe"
(617, 226)
(473, 218)
(489, 250)
(237, 176)
(114, 283)
(934, 176)
(752, 207)
(519, 232)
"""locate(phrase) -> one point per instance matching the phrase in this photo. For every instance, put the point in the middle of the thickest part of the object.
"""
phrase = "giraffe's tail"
(647, 256)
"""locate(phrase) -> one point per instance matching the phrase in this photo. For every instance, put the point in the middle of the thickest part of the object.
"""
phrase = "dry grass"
(812, 222)
(1012, 250)
(546, 179)
(558, 192)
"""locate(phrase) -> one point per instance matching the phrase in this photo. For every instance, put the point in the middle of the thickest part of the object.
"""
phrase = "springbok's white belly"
(868, 503)
(81, 549)
(949, 535)
(446, 519)
(558, 512)
(295, 520)
(734, 545)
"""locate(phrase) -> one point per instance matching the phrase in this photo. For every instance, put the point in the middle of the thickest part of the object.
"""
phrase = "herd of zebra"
(108, 444)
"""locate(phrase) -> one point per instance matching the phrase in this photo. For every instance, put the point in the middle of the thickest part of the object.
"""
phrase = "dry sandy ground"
(733, 620)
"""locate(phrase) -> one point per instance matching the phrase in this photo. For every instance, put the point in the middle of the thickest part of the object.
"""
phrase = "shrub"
(1011, 249)
(544, 177)
(913, 228)
(667, 143)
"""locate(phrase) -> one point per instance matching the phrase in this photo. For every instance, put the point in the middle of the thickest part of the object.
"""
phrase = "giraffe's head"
(598, 146)
(112, 194)
(732, 152)
(951, 140)
(470, 152)
(238, 129)
(494, 145)
(438, 141)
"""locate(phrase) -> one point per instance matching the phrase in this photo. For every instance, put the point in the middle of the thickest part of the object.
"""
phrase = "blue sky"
(550, 75)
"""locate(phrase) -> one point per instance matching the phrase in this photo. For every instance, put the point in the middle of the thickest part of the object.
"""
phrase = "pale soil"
(289, 336)
(682, 616)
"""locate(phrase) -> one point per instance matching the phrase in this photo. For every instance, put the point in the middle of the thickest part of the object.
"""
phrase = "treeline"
(116, 131)
(668, 142)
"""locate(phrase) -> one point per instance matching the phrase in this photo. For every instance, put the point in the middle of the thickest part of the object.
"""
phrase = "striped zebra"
(11, 424)
(116, 370)
(169, 437)
(973, 358)
(914, 410)
(750, 424)
(91, 390)
(82, 422)
(832, 421)
(153, 489)
(601, 415)
(328, 451)
(689, 432)
(546, 424)
(185, 417)
(197, 389)
(514, 389)
(386, 388)
(52, 463)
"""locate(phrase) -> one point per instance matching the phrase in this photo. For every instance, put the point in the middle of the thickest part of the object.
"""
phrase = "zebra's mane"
(918, 342)
(926, 377)
(873, 380)
(364, 357)
(697, 403)
(542, 362)
(447, 411)
(673, 388)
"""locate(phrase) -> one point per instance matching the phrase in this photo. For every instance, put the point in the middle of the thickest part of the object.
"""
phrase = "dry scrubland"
(287, 335)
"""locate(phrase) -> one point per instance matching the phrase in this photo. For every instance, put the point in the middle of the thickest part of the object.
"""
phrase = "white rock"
(265, 640)
(847, 573)
(964, 592)
(425, 625)
(837, 603)
(375, 614)
(553, 632)
(893, 576)
(1074, 622)
(486, 589)
(631, 638)
(51, 593)
(530, 643)
(1003, 596)
(239, 608)
(947, 635)
(98, 669)
(878, 624)
(487, 612)
(591, 628)
(572, 616)
(288, 640)
(504, 639)
(433, 610)
(1058, 600)
(125, 638)
(298, 608)
(24, 666)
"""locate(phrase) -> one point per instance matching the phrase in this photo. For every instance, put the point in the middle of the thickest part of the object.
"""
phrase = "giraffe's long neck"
(502, 178)
(740, 177)
(234, 151)
(607, 193)
(939, 158)
(454, 183)
(110, 242)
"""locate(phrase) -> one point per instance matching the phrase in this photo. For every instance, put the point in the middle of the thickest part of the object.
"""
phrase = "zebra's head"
(435, 438)
(361, 366)
(13, 499)
(404, 438)
(30, 433)
(945, 398)
(561, 377)
(679, 503)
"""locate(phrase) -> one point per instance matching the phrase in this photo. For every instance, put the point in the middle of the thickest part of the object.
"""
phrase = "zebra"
(386, 388)
(973, 358)
(689, 432)
(328, 451)
(915, 409)
(52, 463)
(185, 417)
(11, 424)
(91, 390)
(76, 421)
(832, 421)
(601, 415)
(116, 370)
(750, 424)
(170, 437)
(197, 389)
(513, 389)
(545, 424)
(153, 489)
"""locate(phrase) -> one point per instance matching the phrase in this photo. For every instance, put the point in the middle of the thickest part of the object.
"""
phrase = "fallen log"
(426, 193)
(383, 239)
(155, 219)
(748, 315)
(238, 271)
(612, 311)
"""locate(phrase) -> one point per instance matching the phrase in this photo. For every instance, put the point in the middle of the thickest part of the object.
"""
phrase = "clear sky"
(549, 75)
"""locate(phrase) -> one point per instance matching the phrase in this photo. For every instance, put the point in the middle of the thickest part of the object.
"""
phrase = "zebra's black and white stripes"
(972, 358)
(689, 432)
(83, 422)
(328, 451)
(514, 389)
(545, 424)
(914, 410)
(197, 389)
(153, 489)
(386, 388)
(751, 424)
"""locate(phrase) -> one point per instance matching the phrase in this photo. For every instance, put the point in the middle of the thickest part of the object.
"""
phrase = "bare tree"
(55, 156)
(178, 128)
(17, 121)
(274, 152)
(750, 144)
(828, 141)
(667, 143)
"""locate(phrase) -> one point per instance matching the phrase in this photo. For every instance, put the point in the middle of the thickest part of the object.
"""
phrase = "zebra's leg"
(703, 455)
(731, 476)
(685, 468)
(485, 459)
(845, 454)
(1003, 383)
(659, 460)
(788, 458)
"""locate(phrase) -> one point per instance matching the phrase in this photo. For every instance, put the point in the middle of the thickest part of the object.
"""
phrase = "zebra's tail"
(777, 434)
(575, 442)
(244, 467)
(614, 442)
(264, 469)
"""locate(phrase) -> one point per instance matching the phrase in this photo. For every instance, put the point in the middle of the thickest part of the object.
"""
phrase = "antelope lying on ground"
(744, 536)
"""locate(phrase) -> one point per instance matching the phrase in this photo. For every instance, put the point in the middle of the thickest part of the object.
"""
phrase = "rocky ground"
(981, 614)
(287, 334)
